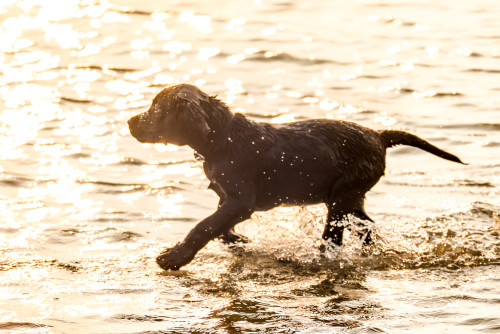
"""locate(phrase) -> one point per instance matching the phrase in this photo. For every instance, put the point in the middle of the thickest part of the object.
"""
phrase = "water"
(86, 208)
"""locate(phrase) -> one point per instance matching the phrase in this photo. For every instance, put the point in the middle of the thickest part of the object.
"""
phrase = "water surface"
(86, 208)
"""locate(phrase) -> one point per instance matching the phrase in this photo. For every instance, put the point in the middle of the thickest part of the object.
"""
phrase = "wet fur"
(254, 166)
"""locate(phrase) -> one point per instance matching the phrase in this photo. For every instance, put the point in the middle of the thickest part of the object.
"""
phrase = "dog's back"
(298, 163)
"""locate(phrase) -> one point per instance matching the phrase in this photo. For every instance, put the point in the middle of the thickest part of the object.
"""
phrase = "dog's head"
(176, 116)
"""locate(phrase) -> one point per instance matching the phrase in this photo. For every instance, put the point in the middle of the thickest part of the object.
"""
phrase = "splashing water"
(86, 209)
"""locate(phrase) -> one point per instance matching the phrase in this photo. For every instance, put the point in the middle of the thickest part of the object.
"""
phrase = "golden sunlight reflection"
(385, 120)
(140, 46)
(177, 47)
(328, 104)
(64, 35)
(88, 50)
(162, 147)
(200, 22)
(129, 197)
(25, 64)
(170, 204)
(157, 22)
(207, 53)
(236, 25)
(113, 17)
(121, 86)
(47, 147)
(234, 87)
(86, 208)
(235, 59)
(41, 214)
(351, 76)
(152, 173)
(285, 118)
(272, 30)
(25, 93)
(74, 75)
(19, 127)
(88, 127)
(136, 75)
(100, 160)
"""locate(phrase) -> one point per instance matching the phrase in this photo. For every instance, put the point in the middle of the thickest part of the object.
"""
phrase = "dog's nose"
(134, 122)
(137, 128)
(131, 121)
(133, 126)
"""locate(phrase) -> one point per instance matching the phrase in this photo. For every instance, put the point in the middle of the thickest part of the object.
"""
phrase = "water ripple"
(86, 208)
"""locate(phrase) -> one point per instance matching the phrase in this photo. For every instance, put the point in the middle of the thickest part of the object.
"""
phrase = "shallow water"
(86, 208)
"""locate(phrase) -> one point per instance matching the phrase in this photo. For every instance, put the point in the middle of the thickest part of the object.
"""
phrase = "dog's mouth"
(140, 128)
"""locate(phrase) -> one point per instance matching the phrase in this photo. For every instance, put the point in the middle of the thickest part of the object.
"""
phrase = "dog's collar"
(198, 156)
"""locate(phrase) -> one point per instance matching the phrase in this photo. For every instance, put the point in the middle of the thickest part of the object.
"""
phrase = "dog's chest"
(207, 168)
(215, 177)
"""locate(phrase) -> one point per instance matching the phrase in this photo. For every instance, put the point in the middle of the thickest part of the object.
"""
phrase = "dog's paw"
(230, 238)
(365, 237)
(174, 258)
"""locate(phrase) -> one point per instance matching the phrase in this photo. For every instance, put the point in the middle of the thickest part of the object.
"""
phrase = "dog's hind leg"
(365, 234)
(334, 228)
(340, 206)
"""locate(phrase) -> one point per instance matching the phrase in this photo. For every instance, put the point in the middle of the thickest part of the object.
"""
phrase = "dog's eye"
(159, 111)
(155, 109)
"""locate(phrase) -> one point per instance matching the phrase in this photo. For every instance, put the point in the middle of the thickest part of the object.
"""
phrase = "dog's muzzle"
(136, 127)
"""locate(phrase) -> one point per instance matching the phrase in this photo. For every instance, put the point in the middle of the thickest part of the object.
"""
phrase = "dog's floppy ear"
(191, 99)
(193, 95)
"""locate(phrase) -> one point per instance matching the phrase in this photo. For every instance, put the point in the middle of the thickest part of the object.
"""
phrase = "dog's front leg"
(230, 213)
(230, 237)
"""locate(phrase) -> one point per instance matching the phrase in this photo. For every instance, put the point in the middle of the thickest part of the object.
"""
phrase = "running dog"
(254, 166)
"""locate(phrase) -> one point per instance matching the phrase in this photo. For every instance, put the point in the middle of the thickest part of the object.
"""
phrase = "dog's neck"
(216, 137)
(220, 118)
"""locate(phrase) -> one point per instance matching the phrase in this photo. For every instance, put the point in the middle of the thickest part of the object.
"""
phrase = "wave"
(73, 100)
(23, 326)
(267, 56)
(36, 262)
(105, 68)
(471, 126)
(431, 93)
(483, 70)
(280, 56)
(15, 180)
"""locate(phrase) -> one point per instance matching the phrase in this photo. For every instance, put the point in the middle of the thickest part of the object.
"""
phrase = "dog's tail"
(392, 138)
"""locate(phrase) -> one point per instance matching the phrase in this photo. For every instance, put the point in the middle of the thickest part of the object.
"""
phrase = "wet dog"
(256, 166)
